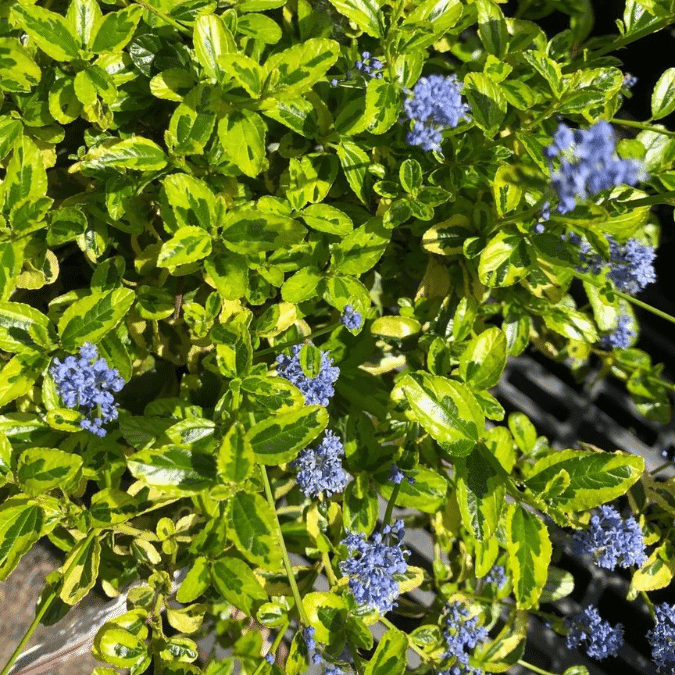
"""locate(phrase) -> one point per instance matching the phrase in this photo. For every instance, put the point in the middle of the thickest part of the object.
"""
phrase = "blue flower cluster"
(371, 567)
(621, 337)
(662, 638)
(597, 636)
(321, 468)
(317, 390)
(316, 658)
(611, 540)
(462, 633)
(588, 163)
(629, 81)
(369, 65)
(497, 575)
(351, 319)
(87, 383)
(436, 104)
(630, 267)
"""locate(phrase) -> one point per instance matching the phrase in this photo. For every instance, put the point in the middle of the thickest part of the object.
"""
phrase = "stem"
(329, 569)
(650, 604)
(641, 125)
(284, 552)
(660, 468)
(654, 199)
(390, 504)
(163, 16)
(625, 296)
(274, 647)
(38, 616)
(534, 669)
(311, 336)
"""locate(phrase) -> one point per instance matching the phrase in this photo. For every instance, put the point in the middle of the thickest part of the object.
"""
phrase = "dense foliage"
(261, 262)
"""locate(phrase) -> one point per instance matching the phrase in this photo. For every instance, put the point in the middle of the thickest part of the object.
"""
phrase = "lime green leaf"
(242, 134)
(306, 283)
(279, 439)
(10, 130)
(481, 487)
(327, 614)
(136, 153)
(26, 176)
(195, 583)
(395, 326)
(259, 27)
(253, 531)
(559, 584)
(427, 493)
(360, 506)
(483, 360)
(89, 319)
(229, 274)
(192, 201)
(172, 84)
(191, 124)
(529, 549)
(300, 66)
(112, 31)
(118, 647)
(361, 249)
(492, 28)
(82, 566)
(383, 103)
(594, 477)
(212, 39)
(233, 349)
(83, 15)
(273, 393)
(298, 114)
(22, 327)
(446, 409)
(237, 584)
(52, 33)
(366, 14)
(92, 82)
(246, 72)
(488, 105)
(41, 469)
(251, 231)
(504, 261)
(390, 656)
(18, 71)
(20, 527)
(18, 375)
(174, 469)
(355, 163)
(658, 571)
(111, 506)
(663, 96)
(326, 218)
(235, 455)
(187, 245)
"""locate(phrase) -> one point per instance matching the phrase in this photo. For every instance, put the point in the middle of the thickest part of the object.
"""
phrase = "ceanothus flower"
(372, 565)
(317, 390)
(351, 319)
(321, 468)
(436, 104)
(87, 383)
(369, 65)
(611, 540)
(588, 163)
(496, 575)
(662, 638)
(462, 633)
(598, 637)
(621, 336)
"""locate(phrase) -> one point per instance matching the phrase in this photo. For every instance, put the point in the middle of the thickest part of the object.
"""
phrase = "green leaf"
(298, 114)
(246, 72)
(212, 39)
(306, 283)
(366, 14)
(410, 175)
(26, 176)
(138, 153)
(362, 248)
(233, 348)
(251, 231)
(488, 105)
(172, 84)
(279, 439)
(300, 66)
(83, 15)
(92, 82)
(10, 130)
(310, 360)
(111, 506)
(355, 163)
(89, 319)
(390, 656)
(328, 219)
(448, 236)
(559, 584)
(238, 585)
(398, 327)
(196, 581)
(191, 123)
(427, 493)
(41, 469)
(492, 28)
(20, 527)
(18, 375)
(253, 530)
(18, 71)
(481, 487)
(663, 96)
(327, 614)
(82, 566)
(310, 178)
(446, 409)
(504, 261)
(594, 477)
(187, 245)
(529, 549)
(112, 31)
(229, 274)
(483, 360)
(191, 200)
(382, 105)
(547, 68)
(52, 32)
(22, 327)
(236, 459)
(273, 393)
(359, 506)
(657, 572)
(242, 134)
(174, 469)
(118, 647)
